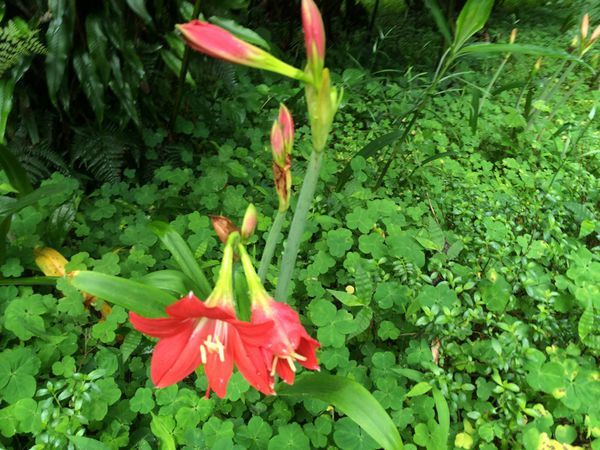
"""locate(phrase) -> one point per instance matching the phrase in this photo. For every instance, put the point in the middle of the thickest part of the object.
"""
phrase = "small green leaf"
(85, 443)
(353, 400)
(163, 432)
(419, 389)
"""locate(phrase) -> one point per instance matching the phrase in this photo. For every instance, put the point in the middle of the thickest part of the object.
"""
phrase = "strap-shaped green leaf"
(172, 281)
(352, 399)
(440, 19)
(471, 19)
(140, 298)
(183, 256)
(10, 207)
(523, 49)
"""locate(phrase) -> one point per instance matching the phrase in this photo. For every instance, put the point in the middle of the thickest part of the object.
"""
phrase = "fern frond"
(16, 41)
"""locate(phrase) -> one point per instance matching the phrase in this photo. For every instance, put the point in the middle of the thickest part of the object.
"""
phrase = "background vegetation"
(472, 267)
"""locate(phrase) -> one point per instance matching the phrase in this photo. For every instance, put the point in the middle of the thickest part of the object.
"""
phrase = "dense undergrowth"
(474, 268)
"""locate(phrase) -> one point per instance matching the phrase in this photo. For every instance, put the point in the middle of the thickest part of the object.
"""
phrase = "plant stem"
(269, 250)
(185, 62)
(549, 91)
(307, 193)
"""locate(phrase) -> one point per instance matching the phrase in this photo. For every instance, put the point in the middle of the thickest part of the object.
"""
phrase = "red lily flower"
(196, 334)
(289, 341)
(207, 333)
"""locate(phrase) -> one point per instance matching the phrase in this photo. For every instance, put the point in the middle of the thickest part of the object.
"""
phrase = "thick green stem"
(305, 199)
(269, 250)
(185, 62)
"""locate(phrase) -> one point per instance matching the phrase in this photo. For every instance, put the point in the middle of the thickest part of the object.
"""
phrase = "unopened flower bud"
(249, 222)
(223, 227)
(585, 26)
(538, 64)
(277, 144)
(287, 127)
(219, 43)
(595, 35)
(513, 36)
(314, 38)
(283, 182)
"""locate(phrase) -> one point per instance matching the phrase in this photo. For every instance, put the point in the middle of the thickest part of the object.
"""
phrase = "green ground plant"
(462, 293)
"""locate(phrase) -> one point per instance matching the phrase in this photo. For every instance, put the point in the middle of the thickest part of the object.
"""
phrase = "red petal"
(307, 348)
(190, 306)
(251, 364)
(254, 334)
(219, 372)
(177, 356)
(159, 328)
(284, 371)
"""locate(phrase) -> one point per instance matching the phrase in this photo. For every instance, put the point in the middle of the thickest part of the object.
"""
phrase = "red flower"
(289, 341)
(195, 334)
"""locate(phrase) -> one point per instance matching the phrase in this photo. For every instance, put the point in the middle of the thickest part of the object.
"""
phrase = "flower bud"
(219, 43)
(595, 35)
(287, 127)
(249, 222)
(314, 38)
(283, 182)
(513, 36)
(223, 227)
(323, 102)
(585, 26)
(50, 262)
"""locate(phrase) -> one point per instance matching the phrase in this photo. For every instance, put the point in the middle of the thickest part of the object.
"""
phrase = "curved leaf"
(14, 171)
(524, 49)
(12, 206)
(173, 281)
(440, 20)
(183, 256)
(147, 301)
(471, 19)
(353, 400)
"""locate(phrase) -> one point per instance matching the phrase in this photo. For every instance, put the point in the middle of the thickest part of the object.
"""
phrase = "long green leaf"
(29, 281)
(140, 298)
(139, 7)
(59, 40)
(443, 431)
(471, 19)
(14, 171)
(7, 87)
(10, 207)
(523, 49)
(440, 20)
(353, 400)
(183, 256)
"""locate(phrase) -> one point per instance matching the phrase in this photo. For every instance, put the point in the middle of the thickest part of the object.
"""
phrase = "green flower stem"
(269, 250)
(305, 199)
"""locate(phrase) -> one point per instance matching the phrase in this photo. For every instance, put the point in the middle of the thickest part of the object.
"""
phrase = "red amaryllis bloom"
(219, 43)
(195, 334)
(314, 35)
(289, 340)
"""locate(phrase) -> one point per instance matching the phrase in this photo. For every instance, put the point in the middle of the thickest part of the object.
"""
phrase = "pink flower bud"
(277, 144)
(219, 43)
(314, 34)
(249, 222)
(287, 126)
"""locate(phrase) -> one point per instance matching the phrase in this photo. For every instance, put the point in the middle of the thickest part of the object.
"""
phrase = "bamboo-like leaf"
(183, 256)
(440, 20)
(443, 431)
(7, 87)
(352, 399)
(522, 49)
(140, 298)
(471, 19)
(139, 7)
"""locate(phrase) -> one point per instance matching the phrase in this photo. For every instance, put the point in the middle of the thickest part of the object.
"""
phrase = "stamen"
(221, 353)
(297, 356)
(274, 366)
(291, 363)
(203, 354)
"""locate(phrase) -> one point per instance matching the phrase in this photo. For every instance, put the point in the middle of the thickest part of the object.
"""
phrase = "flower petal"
(307, 348)
(251, 364)
(254, 334)
(219, 371)
(175, 357)
(284, 370)
(190, 306)
(158, 328)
